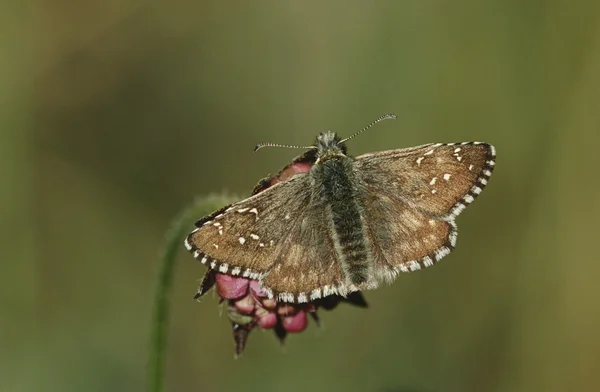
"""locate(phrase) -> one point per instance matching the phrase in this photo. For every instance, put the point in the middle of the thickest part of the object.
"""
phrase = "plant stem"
(174, 242)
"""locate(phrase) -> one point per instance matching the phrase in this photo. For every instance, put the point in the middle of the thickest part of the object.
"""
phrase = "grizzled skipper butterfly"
(346, 224)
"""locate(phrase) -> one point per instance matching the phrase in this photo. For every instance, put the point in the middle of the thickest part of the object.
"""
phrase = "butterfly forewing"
(439, 179)
(246, 238)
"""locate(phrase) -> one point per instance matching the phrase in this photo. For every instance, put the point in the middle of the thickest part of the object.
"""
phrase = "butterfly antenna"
(261, 145)
(380, 119)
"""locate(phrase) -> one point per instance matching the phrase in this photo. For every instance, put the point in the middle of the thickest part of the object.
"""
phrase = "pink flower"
(249, 307)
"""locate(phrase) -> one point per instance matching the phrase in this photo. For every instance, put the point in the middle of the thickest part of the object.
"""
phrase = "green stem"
(179, 229)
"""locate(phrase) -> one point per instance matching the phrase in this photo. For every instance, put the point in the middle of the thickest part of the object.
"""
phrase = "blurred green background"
(114, 115)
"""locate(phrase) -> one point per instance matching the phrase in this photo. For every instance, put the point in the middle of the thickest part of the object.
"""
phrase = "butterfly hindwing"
(308, 267)
(405, 239)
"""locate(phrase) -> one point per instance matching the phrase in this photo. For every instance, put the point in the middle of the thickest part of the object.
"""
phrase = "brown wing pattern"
(275, 236)
(246, 238)
(410, 198)
(308, 266)
(414, 196)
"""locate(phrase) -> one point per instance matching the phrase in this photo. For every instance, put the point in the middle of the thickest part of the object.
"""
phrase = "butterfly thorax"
(336, 186)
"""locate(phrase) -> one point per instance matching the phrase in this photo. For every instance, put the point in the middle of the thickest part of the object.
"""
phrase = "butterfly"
(345, 224)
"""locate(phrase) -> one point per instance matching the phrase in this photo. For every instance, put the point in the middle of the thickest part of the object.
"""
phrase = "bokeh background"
(114, 115)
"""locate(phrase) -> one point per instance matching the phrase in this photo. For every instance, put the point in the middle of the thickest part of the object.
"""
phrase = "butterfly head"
(329, 145)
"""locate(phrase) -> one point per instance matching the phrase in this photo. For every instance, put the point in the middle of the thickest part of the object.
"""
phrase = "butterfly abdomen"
(337, 189)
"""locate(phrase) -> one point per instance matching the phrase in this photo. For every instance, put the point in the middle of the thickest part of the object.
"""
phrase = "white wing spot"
(459, 158)
(196, 254)
(269, 292)
(220, 231)
(429, 152)
(491, 163)
(315, 294)
(447, 176)
(204, 260)
(453, 238)
(236, 271)
(440, 253)
(286, 297)
(242, 240)
(471, 167)
(261, 244)
(433, 191)
(427, 261)
(483, 181)
(216, 246)
(477, 190)
(213, 264)
(419, 160)
(223, 267)
(254, 236)
(433, 180)
(254, 211)
(302, 297)
(271, 242)
(457, 149)
(287, 216)
(414, 266)
(219, 216)
(458, 209)
(487, 173)
(242, 210)
(469, 199)
(187, 244)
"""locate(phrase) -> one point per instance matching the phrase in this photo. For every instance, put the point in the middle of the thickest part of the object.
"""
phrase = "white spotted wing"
(413, 196)
(276, 236)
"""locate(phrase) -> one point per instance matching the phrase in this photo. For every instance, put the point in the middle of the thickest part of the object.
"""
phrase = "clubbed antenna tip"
(380, 119)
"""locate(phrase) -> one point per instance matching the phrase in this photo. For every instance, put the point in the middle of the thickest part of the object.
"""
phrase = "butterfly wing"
(276, 236)
(414, 194)
(307, 267)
